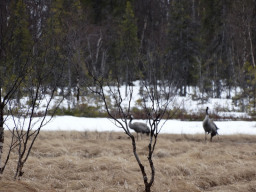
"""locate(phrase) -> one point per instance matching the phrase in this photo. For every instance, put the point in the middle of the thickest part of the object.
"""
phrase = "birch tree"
(155, 102)
(15, 55)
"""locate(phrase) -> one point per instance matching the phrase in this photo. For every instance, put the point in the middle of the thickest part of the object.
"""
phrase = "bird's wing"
(214, 125)
(142, 126)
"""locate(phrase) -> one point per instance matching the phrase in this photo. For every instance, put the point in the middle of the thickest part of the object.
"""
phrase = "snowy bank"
(70, 123)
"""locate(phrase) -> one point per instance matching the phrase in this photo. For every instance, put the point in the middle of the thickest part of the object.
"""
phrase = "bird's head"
(130, 116)
(206, 110)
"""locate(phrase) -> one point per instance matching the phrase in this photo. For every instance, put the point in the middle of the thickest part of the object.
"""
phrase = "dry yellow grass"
(93, 161)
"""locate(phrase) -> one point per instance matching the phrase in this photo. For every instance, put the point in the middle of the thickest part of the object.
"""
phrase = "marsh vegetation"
(103, 161)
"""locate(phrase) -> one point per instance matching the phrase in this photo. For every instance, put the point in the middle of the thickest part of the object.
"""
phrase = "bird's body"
(209, 126)
(139, 127)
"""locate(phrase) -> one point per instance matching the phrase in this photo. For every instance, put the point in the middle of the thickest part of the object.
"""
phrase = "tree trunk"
(251, 45)
(147, 188)
(69, 85)
(142, 169)
(126, 80)
(193, 11)
(78, 89)
(1, 132)
(3, 28)
(148, 185)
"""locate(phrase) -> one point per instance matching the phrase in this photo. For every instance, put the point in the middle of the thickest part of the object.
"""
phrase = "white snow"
(70, 123)
(188, 103)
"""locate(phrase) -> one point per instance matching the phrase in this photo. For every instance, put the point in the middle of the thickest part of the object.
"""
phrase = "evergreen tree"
(182, 43)
(15, 58)
(127, 45)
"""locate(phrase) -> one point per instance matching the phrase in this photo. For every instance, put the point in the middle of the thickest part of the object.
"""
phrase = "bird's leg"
(205, 136)
(211, 138)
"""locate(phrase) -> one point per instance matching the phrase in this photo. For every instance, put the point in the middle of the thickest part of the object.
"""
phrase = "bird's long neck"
(206, 118)
(206, 112)
(206, 115)
(130, 122)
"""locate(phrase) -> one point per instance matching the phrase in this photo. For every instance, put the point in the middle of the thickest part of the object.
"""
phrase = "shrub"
(82, 110)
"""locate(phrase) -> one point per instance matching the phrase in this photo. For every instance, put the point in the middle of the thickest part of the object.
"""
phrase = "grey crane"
(139, 127)
(209, 126)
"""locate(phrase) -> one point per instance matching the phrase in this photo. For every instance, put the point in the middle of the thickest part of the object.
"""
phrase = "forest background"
(64, 49)
(202, 43)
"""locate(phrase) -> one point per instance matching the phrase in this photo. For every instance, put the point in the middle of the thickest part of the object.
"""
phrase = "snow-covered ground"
(70, 123)
(221, 106)
(191, 104)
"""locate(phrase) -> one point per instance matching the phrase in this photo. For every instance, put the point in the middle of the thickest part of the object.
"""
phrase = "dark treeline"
(52, 45)
(203, 43)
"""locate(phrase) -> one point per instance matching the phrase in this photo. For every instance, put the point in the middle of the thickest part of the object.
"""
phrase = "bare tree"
(32, 114)
(5, 98)
(3, 28)
(14, 57)
(155, 104)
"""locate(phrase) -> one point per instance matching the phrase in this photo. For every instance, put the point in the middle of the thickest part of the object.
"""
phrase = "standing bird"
(139, 127)
(209, 126)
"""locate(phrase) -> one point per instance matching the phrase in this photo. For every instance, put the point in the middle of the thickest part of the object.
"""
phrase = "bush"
(82, 110)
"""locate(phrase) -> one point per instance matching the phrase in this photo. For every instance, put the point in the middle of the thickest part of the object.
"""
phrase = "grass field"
(103, 161)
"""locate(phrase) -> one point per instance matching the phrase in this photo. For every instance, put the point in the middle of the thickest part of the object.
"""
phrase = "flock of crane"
(208, 125)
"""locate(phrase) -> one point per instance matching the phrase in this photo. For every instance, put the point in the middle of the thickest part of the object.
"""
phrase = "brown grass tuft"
(10, 186)
(94, 161)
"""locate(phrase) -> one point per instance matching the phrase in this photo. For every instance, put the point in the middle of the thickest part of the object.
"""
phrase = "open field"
(103, 161)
